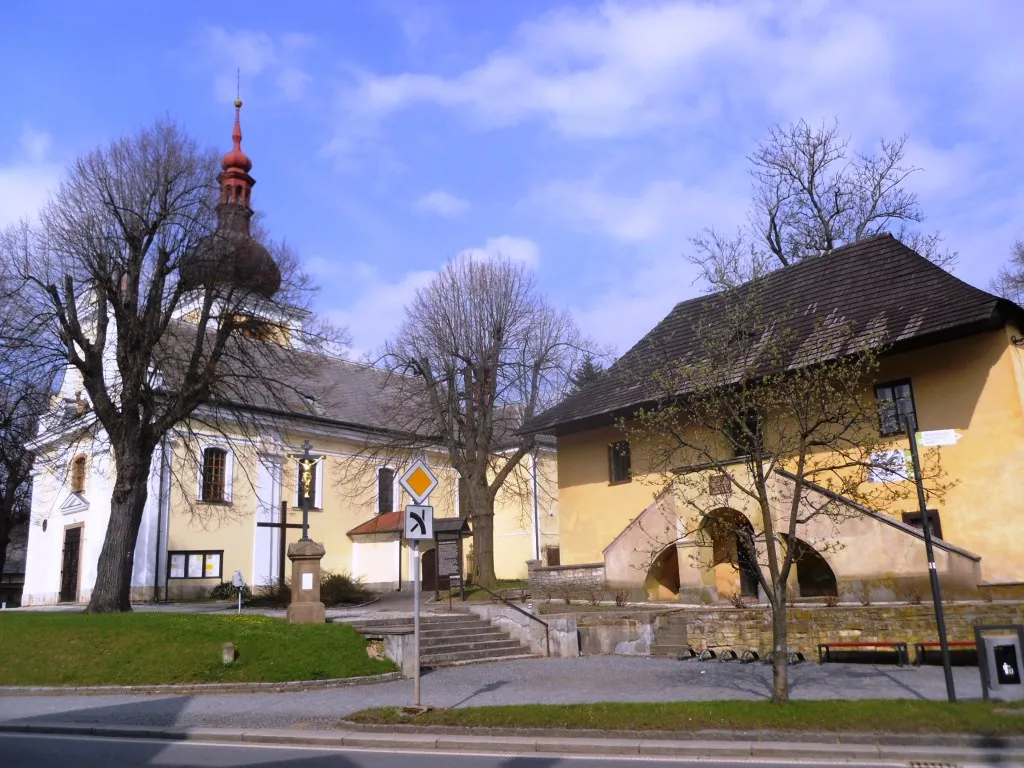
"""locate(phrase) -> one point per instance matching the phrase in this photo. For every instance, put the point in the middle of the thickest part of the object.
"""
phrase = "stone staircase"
(670, 635)
(448, 639)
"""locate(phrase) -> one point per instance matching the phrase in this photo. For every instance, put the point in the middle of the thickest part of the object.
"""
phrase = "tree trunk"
(780, 649)
(482, 515)
(5, 540)
(112, 592)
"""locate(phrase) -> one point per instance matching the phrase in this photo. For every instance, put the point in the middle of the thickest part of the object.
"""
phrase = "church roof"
(877, 286)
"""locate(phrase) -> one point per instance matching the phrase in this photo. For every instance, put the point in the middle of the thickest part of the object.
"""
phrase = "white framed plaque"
(177, 566)
(195, 566)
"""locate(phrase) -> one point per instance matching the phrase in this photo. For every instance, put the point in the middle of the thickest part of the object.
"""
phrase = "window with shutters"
(385, 490)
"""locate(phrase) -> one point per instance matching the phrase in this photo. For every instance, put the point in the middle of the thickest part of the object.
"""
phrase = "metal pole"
(933, 574)
(415, 568)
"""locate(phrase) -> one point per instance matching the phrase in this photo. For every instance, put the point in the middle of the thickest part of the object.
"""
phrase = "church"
(229, 499)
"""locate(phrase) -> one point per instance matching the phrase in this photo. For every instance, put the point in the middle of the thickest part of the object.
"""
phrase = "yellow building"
(217, 502)
(951, 350)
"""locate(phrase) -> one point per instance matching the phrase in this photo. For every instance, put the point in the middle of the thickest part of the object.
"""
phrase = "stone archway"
(814, 575)
(729, 536)
(662, 582)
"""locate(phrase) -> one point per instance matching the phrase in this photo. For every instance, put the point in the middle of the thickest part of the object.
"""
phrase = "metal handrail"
(527, 614)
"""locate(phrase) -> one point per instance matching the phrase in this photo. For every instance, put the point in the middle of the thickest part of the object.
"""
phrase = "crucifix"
(282, 527)
(307, 467)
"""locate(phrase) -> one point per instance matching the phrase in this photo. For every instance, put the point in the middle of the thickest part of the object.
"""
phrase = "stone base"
(306, 613)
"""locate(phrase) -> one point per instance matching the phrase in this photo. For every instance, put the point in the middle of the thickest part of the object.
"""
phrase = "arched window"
(214, 475)
(78, 474)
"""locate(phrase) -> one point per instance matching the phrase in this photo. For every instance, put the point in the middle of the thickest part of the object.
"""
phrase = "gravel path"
(527, 681)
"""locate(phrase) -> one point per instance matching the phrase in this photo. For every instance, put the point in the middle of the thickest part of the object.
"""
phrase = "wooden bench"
(966, 652)
(825, 650)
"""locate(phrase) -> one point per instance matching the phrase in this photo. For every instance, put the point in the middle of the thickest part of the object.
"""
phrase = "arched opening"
(814, 575)
(730, 536)
(662, 580)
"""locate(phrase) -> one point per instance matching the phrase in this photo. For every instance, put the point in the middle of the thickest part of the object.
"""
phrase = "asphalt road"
(31, 751)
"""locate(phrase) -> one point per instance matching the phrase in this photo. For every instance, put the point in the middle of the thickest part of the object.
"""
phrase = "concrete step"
(438, 659)
(486, 629)
(483, 660)
(667, 649)
(469, 644)
(425, 626)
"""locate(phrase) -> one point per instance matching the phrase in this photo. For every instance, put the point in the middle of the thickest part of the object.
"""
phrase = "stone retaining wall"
(553, 577)
(741, 629)
(634, 632)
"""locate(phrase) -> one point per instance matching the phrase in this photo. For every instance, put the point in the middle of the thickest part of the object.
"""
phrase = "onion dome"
(231, 257)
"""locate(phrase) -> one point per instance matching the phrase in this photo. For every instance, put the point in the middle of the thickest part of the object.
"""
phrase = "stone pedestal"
(305, 607)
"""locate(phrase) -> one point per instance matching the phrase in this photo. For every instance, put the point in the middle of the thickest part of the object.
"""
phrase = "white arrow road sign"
(937, 437)
(419, 522)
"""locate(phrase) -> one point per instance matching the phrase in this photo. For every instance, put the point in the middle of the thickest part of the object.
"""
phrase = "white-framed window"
(216, 470)
(387, 489)
(316, 485)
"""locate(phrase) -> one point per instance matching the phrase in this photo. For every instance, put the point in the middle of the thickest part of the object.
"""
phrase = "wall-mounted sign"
(936, 437)
(890, 467)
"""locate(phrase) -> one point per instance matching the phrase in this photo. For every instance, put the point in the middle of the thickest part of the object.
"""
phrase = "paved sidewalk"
(527, 681)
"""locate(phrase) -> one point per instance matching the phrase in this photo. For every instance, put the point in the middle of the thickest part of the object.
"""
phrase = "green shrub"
(342, 589)
(227, 591)
(271, 595)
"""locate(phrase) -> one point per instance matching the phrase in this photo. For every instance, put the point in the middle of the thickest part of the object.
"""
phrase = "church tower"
(231, 259)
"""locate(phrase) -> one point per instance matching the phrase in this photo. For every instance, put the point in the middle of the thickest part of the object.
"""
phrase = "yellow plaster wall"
(974, 385)
(349, 499)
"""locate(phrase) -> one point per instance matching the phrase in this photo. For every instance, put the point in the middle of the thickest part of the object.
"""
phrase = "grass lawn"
(892, 716)
(157, 648)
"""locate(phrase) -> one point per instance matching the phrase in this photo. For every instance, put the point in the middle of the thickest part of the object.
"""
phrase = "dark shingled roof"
(877, 286)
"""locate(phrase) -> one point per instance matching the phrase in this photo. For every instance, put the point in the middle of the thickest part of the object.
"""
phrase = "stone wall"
(554, 577)
(751, 628)
(561, 633)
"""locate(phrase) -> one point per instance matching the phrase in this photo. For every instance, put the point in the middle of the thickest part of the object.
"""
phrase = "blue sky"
(589, 139)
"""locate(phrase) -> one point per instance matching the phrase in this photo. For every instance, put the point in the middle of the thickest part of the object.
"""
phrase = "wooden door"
(69, 565)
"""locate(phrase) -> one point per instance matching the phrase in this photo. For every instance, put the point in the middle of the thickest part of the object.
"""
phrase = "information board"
(448, 561)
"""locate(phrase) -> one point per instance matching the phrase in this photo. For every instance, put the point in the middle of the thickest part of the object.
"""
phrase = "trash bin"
(999, 659)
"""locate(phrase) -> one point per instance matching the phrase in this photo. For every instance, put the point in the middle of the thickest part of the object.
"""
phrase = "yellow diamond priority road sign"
(418, 481)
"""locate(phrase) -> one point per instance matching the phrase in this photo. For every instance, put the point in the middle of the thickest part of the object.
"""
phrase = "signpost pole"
(415, 548)
(418, 482)
(933, 574)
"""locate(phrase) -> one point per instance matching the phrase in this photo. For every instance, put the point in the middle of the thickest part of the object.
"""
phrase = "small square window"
(915, 519)
(619, 470)
(895, 400)
(554, 555)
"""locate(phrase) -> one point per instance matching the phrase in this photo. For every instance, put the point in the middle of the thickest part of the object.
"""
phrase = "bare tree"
(146, 282)
(1009, 280)
(773, 416)
(812, 194)
(480, 351)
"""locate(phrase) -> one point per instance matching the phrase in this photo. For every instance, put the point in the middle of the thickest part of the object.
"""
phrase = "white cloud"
(379, 307)
(36, 144)
(518, 249)
(660, 210)
(27, 182)
(442, 203)
(252, 55)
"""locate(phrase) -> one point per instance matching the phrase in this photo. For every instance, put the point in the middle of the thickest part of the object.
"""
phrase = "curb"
(196, 688)
(849, 738)
(467, 742)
